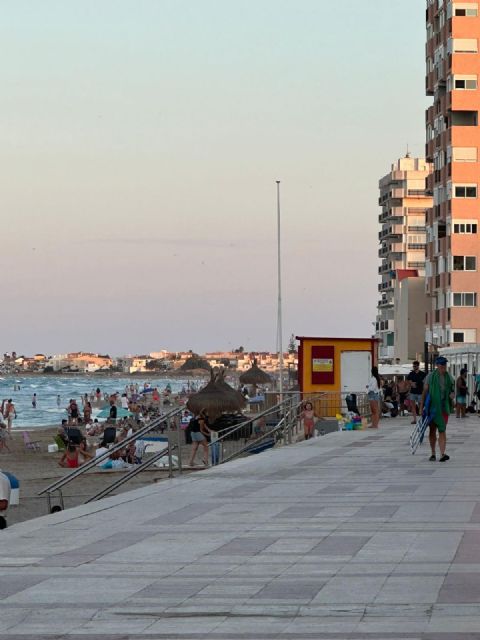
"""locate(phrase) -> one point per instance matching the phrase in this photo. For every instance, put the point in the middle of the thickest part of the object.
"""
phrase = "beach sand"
(36, 470)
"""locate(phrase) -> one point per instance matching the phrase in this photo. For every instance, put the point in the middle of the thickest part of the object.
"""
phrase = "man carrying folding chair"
(440, 387)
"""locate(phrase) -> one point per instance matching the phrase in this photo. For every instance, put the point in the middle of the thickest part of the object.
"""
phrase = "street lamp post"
(279, 304)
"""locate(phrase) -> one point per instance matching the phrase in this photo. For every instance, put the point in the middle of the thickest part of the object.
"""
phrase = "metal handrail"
(252, 443)
(58, 484)
(133, 472)
(229, 430)
(288, 409)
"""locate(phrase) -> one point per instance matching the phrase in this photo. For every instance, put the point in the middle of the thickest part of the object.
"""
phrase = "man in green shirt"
(440, 386)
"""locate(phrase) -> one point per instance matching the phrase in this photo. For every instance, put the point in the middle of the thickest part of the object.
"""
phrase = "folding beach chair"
(32, 445)
(418, 433)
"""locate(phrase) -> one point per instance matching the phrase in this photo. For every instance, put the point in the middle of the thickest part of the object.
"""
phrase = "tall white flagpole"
(279, 305)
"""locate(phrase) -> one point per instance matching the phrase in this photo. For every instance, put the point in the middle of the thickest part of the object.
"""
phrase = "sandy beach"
(37, 469)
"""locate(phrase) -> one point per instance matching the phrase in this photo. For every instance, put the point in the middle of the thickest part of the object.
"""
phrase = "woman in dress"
(374, 397)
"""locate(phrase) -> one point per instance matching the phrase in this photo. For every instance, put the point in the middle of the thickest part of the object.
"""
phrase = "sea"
(21, 389)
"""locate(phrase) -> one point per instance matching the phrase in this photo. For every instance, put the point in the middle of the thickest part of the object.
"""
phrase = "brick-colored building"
(452, 142)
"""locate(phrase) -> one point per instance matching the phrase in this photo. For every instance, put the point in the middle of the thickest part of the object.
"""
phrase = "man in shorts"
(440, 386)
(415, 378)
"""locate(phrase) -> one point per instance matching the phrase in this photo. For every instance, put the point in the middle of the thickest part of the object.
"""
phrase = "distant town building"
(82, 362)
(400, 323)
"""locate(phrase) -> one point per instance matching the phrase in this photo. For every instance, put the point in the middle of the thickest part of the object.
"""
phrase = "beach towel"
(439, 405)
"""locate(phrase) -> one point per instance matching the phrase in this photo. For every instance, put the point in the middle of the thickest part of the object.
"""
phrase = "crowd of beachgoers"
(98, 420)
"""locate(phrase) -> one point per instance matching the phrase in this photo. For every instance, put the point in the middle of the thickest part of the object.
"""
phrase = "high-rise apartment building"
(400, 324)
(452, 142)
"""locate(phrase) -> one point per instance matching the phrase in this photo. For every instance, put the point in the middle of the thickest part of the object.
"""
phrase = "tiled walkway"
(343, 537)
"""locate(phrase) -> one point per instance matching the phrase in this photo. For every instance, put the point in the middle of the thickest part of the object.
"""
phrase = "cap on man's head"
(441, 360)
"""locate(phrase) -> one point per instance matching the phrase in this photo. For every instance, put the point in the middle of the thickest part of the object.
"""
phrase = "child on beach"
(308, 418)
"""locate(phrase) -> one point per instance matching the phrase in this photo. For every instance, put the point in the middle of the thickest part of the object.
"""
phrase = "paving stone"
(336, 545)
(244, 546)
(10, 585)
(460, 588)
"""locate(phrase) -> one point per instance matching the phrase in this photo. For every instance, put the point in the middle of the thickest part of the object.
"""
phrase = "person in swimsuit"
(70, 457)
(10, 414)
(308, 418)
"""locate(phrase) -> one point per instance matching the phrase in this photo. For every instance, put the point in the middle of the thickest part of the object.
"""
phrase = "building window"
(464, 118)
(465, 83)
(462, 154)
(465, 227)
(465, 191)
(464, 263)
(465, 10)
(458, 336)
(464, 299)
(464, 45)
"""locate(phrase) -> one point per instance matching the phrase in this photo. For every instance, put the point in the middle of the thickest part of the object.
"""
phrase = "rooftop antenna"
(407, 155)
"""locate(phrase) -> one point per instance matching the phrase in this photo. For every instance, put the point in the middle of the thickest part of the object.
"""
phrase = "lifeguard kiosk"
(334, 368)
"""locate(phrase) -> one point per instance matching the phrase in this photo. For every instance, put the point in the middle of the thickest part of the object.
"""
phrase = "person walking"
(403, 388)
(199, 432)
(10, 413)
(461, 394)
(415, 378)
(374, 397)
(308, 418)
(440, 387)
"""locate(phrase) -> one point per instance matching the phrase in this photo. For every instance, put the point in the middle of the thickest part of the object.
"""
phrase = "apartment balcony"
(385, 325)
(385, 304)
(386, 352)
(394, 231)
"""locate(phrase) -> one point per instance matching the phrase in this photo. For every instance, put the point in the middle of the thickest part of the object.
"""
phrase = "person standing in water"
(34, 401)
(59, 401)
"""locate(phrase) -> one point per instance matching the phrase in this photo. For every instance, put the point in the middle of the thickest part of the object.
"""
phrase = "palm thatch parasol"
(222, 385)
(215, 399)
(255, 376)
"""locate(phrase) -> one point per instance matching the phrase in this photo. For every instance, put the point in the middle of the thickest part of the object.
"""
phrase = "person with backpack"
(199, 432)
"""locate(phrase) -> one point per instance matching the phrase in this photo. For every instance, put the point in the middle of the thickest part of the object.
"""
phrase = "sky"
(141, 142)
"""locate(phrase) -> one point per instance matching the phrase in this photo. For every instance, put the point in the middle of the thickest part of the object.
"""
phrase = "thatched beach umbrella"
(215, 399)
(255, 376)
(221, 384)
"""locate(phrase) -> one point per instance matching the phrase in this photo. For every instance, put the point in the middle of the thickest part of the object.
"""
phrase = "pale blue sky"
(141, 141)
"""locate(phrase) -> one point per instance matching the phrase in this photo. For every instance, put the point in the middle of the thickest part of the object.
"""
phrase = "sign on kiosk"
(323, 365)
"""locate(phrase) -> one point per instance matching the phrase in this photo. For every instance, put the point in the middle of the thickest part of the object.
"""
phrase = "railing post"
(179, 447)
(289, 420)
(170, 462)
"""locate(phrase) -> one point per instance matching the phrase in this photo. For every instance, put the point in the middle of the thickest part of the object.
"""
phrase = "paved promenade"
(342, 537)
